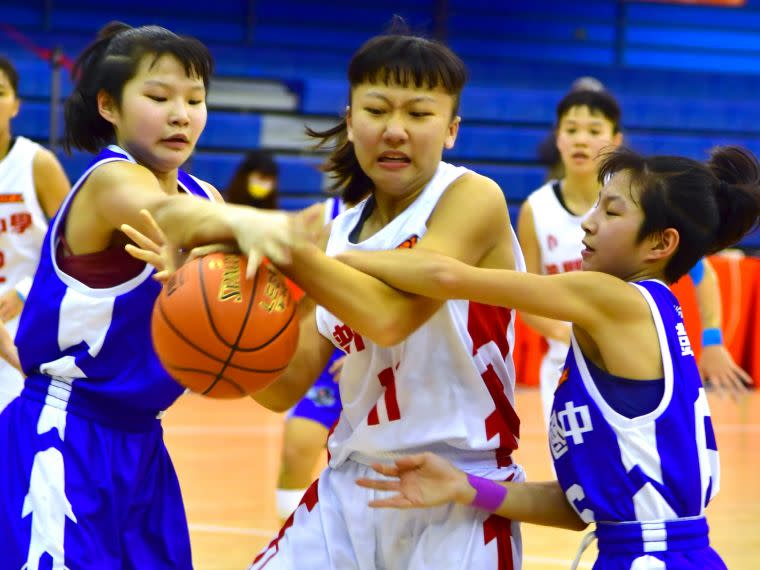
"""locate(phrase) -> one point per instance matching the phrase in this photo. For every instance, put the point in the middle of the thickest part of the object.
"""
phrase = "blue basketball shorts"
(86, 496)
(321, 403)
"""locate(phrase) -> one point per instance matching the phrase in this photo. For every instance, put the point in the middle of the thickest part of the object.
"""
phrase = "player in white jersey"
(32, 186)
(631, 436)
(550, 232)
(419, 374)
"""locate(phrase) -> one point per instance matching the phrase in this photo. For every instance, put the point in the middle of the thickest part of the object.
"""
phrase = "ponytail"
(349, 180)
(108, 63)
(86, 129)
(737, 193)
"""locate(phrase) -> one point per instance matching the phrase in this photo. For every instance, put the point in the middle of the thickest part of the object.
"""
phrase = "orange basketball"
(223, 335)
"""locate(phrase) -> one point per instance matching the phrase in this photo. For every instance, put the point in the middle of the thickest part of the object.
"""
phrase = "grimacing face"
(162, 113)
(399, 133)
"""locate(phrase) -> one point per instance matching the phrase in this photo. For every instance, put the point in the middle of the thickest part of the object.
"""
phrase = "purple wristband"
(489, 495)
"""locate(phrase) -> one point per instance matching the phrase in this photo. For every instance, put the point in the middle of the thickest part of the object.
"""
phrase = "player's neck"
(167, 181)
(580, 191)
(5, 144)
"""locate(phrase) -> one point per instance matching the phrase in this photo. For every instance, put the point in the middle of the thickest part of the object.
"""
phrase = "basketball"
(220, 334)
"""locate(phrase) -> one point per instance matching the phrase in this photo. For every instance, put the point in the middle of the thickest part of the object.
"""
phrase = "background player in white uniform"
(549, 228)
(32, 186)
(631, 436)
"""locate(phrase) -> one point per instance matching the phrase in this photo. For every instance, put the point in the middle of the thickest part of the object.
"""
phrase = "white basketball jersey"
(22, 221)
(448, 387)
(559, 236)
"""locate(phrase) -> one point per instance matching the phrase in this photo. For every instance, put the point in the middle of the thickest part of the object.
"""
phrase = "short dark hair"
(10, 72)
(601, 102)
(108, 63)
(712, 205)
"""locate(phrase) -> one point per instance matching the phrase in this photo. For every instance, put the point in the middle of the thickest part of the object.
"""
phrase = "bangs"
(407, 61)
(157, 41)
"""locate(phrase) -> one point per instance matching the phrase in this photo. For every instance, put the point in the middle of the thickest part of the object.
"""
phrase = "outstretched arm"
(586, 298)
(427, 480)
(526, 233)
(469, 223)
(716, 365)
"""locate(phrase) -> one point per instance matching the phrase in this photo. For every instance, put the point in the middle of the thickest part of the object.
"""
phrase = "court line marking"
(260, 532)
(200, 429)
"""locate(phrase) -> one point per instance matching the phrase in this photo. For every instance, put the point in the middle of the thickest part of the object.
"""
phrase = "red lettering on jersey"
(551, 242)
(387, 379)
(499, 528)
(344, 336)
(551, 269)
(310, 499)
(572, 265)
(11, 198)
(409, 242)
(20, 221)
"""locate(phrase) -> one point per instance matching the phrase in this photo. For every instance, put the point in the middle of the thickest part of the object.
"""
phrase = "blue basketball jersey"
(89, 350)
(657, 471)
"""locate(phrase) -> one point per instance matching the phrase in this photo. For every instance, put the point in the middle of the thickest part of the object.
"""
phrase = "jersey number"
(388, 381)
(574, 496)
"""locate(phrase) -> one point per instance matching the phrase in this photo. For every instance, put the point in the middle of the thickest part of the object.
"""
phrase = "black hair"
(712, 205)
(393, 59)
(260, 161)
(108, 63)
(10, 72)
(601, 102)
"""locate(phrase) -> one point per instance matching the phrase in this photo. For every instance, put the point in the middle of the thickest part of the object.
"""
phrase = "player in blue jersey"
(85, 478)
(630, 431)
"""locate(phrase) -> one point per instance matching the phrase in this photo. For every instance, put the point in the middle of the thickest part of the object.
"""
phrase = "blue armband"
(697, 272)
(711, 337)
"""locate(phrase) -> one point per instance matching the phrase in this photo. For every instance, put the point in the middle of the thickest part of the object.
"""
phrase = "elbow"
(389, 333)
(577, 524)
(277, 406)
(444, 279)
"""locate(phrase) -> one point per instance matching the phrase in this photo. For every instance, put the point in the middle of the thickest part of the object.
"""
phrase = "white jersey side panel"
(22, 221)
(559, 236)
(448, 387)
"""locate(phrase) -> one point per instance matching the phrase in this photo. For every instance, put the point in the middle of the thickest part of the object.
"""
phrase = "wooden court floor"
(227, 456)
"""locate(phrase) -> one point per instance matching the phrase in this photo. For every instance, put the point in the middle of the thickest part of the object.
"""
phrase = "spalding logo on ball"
(220, 334)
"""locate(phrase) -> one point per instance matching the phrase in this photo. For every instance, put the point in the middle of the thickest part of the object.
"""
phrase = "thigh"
(52, 491)
(155, 532)
(330, 528)
(302, 443)
(457, 537)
